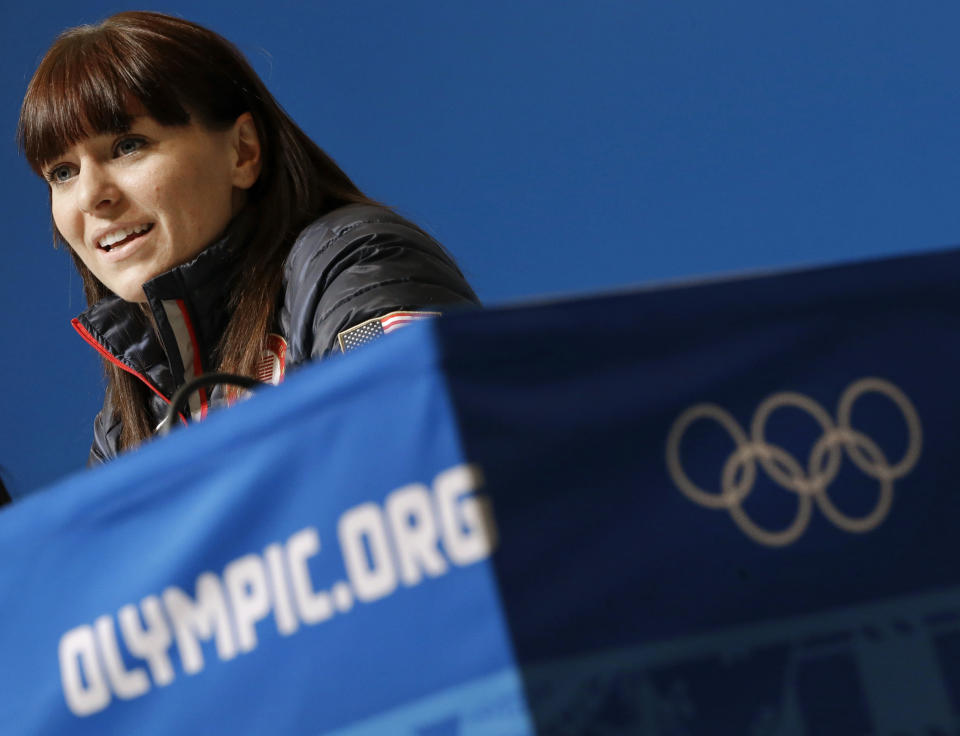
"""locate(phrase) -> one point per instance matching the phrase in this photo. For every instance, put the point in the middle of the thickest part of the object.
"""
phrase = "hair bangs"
(92, 82)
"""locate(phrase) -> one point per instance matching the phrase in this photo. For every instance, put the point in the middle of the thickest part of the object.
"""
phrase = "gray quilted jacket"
(354, 264)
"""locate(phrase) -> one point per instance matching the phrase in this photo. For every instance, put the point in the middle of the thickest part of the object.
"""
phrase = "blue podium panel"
(305, 559)
(731, 507)
(723, 508)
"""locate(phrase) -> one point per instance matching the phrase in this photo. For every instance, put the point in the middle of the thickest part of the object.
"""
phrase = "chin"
(128, 284)
(137, 296)
(130, 293)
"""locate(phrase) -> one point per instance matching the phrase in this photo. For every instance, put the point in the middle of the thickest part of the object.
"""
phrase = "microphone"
(207, 379)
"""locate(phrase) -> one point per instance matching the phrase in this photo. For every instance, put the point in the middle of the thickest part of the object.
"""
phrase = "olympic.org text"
(416, 534)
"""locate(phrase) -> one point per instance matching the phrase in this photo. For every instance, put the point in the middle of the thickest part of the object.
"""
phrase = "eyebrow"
(52, 160)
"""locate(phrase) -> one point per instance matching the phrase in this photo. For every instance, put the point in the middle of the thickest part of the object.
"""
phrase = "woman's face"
(137, 204)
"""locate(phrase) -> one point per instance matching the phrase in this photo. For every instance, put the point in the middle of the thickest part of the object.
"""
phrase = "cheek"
(67, 224)
(204, 201)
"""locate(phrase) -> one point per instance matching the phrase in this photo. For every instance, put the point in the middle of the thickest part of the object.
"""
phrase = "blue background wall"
(553, 147)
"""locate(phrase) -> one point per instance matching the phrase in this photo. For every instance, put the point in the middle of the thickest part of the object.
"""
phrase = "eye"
(61, 173)
(126, 146)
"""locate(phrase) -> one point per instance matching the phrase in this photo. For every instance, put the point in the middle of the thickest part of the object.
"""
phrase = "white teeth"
(117, 235)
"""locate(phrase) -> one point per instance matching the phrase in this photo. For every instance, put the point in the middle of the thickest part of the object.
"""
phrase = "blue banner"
(715, 508)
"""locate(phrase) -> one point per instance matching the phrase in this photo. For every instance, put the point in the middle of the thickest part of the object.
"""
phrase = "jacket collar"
(189, 308)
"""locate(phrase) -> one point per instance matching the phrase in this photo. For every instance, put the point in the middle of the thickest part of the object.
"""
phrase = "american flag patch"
(273, 360)
(372, 329)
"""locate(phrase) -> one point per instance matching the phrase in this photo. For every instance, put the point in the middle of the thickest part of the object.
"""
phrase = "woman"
(210, 232)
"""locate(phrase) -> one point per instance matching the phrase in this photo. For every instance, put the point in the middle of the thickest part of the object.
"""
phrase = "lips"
(125, 245)
(121, 236)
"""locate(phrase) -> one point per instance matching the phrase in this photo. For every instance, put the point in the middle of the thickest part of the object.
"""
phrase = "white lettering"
(151, 642)
(283, 612)
(84, 686)
(472, 535)
(125, 683)
(201, 619)
(414, 533)
(372, 576)
(313, 607)
(246, 583)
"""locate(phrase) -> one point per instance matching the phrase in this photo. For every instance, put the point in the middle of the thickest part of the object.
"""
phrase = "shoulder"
(358, 262)
(343, 229)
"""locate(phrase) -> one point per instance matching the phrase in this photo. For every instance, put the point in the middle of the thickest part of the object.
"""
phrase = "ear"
(246, 148)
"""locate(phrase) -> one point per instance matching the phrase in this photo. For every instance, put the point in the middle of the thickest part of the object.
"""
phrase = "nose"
(96, 190)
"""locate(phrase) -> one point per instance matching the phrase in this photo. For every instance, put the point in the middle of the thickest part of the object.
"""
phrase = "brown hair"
(176, 69)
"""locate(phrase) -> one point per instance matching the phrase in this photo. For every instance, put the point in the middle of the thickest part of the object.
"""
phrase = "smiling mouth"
(132, 234)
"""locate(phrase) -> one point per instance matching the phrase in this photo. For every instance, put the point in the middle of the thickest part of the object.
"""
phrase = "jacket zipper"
(92, 341)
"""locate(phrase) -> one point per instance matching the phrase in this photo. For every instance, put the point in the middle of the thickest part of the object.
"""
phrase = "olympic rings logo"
(810, 484)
